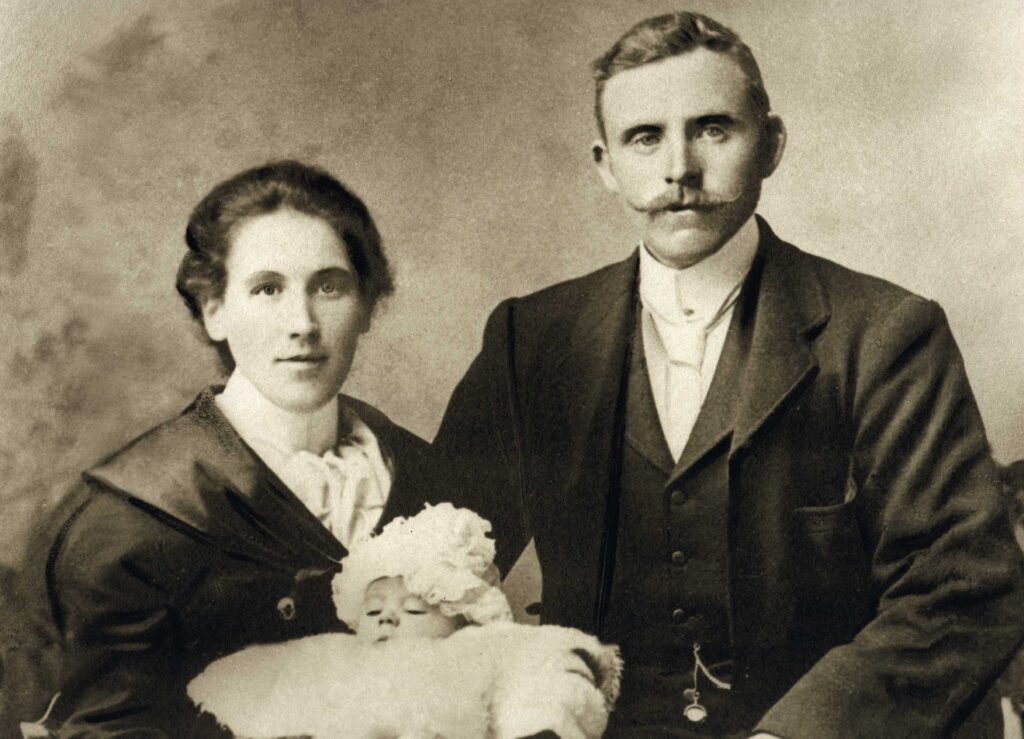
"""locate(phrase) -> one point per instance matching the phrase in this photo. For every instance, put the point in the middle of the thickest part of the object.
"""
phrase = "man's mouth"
(683, 207)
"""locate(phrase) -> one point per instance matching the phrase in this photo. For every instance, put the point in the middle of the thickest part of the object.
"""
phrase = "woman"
(224, 526)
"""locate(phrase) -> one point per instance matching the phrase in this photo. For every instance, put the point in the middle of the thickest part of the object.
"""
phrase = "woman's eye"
(373, 613)
(266, 290)
(329, 287)
(414, 611)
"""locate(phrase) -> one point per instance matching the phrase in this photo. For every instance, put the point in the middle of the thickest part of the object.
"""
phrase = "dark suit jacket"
(874, 587)
(181, 548)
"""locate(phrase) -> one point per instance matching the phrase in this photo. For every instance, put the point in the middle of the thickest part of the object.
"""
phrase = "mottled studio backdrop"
(465, 124)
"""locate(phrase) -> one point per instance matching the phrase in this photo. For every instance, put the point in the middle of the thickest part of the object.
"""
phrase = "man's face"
(686, 149)
(291, 312)
(392, 612)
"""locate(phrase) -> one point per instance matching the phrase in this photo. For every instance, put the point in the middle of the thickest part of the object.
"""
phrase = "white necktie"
(685, 343)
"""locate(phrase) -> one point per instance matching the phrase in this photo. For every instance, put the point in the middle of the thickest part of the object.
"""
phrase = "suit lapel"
(643, 430)
(766, 357)
(789, 308)
(591, 370)
(587, 384)
(717, 414)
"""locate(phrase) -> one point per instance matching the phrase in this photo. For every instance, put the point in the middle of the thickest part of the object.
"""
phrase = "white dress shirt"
(685, 320)
(343, 482)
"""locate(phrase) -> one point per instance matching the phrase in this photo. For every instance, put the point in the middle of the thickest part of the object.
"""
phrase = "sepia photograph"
(511, 369)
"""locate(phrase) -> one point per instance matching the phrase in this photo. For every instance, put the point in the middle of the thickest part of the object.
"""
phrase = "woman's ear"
(213, 319)
(366, 319)
(774, 144)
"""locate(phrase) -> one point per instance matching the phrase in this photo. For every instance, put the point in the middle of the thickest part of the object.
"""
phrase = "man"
(762, 474)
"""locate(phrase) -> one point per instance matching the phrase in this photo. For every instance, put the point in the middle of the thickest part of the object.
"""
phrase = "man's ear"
(599, 150)
(213, 319)
(774, 144)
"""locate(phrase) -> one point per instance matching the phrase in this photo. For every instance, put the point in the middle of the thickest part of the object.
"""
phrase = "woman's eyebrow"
(262, 276)
(333, 272)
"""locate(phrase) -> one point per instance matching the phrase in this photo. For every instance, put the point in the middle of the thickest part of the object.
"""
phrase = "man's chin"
(680, 250)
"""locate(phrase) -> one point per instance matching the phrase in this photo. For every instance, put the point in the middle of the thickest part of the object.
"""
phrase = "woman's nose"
(301, 317)
(389, 616)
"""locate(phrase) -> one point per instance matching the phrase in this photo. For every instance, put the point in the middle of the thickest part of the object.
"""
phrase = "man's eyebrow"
(632, 131)
(714, 119)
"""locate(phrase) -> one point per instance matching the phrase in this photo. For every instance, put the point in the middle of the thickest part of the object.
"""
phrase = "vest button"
(678, 558)
(678, 615)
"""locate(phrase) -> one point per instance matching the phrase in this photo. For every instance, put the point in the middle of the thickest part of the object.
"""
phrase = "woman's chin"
(303, 401)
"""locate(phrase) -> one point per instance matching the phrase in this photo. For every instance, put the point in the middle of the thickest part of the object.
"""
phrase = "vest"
(669, 585)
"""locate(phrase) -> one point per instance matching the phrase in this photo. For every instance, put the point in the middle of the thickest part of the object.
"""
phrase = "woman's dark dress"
(180, 548)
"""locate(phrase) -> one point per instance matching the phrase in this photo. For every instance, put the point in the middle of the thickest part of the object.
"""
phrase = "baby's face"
(392, 612)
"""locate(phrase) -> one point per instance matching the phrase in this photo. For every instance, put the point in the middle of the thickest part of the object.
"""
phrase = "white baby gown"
(498, 681)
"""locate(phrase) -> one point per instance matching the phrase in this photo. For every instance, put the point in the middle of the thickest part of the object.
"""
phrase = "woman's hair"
(202, 274)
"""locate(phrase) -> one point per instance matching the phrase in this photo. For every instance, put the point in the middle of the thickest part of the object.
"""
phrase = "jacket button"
(678, 558)
(286, 608)
(678, 615)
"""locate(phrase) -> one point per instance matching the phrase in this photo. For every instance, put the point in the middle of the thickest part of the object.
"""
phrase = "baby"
(435, 653)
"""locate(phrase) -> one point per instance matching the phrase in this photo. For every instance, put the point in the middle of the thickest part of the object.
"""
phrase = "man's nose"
(682, 167)
(389, 616)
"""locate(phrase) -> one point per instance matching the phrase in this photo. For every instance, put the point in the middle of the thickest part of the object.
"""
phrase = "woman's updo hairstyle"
(202, 275)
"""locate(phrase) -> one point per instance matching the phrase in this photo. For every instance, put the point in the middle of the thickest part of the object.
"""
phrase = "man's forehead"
(692, 84)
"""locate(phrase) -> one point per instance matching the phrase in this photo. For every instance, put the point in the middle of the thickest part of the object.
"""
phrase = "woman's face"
(292, 311)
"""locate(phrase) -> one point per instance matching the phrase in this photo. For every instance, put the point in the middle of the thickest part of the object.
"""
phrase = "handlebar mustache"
(690, 199)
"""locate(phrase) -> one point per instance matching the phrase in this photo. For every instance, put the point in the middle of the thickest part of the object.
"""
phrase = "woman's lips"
(305, 358)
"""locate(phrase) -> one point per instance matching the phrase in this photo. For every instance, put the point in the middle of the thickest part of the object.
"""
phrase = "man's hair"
(202, 275)
(669, 35)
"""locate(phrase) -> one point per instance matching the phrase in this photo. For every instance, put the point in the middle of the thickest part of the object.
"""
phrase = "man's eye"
(646, 139)
(713, 132)
(329, 287)
(373, 613)
(415, 611)
(266, 290)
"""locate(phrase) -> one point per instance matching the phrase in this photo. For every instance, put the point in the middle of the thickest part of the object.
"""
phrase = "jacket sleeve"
(478, 443)
(123, 674)
(944, 567)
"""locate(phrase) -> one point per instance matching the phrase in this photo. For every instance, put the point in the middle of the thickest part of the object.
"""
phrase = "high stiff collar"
(695, 294)
(789, 301)
(257, 419)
